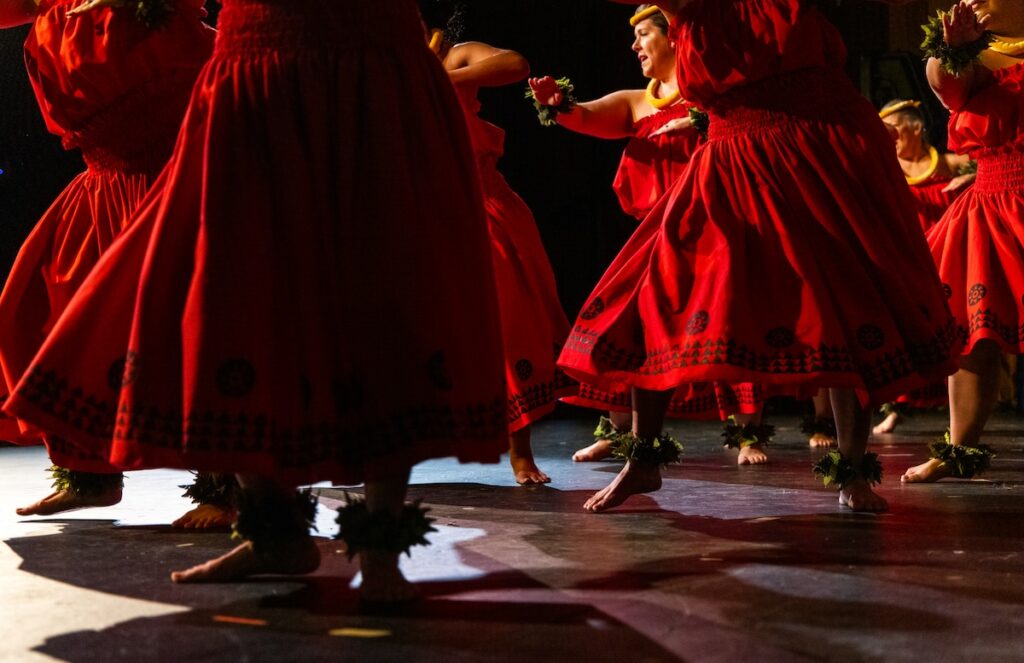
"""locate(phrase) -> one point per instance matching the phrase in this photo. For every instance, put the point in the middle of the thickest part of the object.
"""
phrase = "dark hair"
(911, 112)
(657, 18)
(444, 15)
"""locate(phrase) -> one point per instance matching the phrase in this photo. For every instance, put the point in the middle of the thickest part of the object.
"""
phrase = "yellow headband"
(896, 108)
(644, 15)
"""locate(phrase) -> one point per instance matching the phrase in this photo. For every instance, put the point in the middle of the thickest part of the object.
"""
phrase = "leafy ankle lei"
(381, 530)
(964, 462)
(836, 470)
(266, 521)
(84, 484)
(747, 435)
(660, 450)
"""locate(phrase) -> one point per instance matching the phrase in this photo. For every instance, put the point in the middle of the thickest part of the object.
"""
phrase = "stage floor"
(723, 564)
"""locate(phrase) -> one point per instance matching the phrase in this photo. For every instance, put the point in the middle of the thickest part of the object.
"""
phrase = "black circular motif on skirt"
(524, 369)
(594, 309)
(437, 369)
(976, 294)
(698, 322)
(947, 290)
(780, 337)
(236, 377)
(870, 337)
(122, 372)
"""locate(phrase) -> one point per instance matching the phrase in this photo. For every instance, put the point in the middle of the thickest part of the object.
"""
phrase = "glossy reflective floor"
(723, 564)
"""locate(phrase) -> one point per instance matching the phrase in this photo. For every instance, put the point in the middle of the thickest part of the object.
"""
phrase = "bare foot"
(295, 557)
(888, 424)
(207, 516)
(632, 480)
(858, 496)
(66, 500)
(526, 470)
(927, 472)
(597, 451)
(383, 581)
(821, 440)
(752, 455)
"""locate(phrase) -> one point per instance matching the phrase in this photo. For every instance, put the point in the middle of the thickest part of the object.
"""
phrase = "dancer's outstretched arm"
(481, 65)
(17, 12)
(610, 116)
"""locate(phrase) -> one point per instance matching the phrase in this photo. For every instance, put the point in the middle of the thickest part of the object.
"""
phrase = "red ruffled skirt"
(770, 263)
(309, 295)
(979, 249)
(52, 264)
(534, 326)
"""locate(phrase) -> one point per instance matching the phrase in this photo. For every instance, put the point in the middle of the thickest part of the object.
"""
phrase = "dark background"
(564, 178)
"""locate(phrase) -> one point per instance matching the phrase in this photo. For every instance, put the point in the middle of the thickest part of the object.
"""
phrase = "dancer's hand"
(674, 126)
(959, 182)
(92, 5)
(546, 91)
(962, 25)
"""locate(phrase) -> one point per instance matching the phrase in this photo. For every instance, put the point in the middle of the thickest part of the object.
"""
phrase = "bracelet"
(605, 430)
(836, 470)
(954, 59)
(547, 114)
(382, 531)
(701, 122)
(660, 450)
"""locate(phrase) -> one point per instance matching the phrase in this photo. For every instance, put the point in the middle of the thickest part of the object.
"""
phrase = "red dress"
(649, 167)
(116, 90)
(979, 243)
(309, 294)
(930, 201)
(788, 252)
(533, 323)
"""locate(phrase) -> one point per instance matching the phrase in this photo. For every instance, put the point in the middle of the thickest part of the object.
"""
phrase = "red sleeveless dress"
(117, 91)
(649, 167)
(309, 294)
(788, 252)
(533, 323)
(979, 243)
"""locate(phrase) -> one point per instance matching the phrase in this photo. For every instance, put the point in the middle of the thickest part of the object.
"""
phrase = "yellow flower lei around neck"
(1011, 48)
(664, 102)
(932, 167)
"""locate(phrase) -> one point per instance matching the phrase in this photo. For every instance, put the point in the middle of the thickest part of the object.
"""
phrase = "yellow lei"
(932, 167)
(1011, 48)
(656, 102)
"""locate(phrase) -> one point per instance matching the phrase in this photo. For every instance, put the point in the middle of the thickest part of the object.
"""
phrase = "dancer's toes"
(597, 451)
(821, 440)
(207, 516)
(888, 424)
(633, 479)
(858, 496)
(752, 455)
(527, 472)
(67, 500)
(927, 472)
(293, 557)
